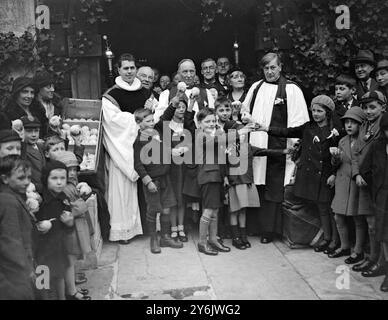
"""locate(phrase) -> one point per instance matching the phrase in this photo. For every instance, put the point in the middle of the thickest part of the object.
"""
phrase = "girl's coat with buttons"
(315, 161)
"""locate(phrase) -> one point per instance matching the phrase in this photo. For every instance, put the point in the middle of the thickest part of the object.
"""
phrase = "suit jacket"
(362, 146)
(37, 160)
(211, 157)
(360, 90)
(16, 258)
(373, 168)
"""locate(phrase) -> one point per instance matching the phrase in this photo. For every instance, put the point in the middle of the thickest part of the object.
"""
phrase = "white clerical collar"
(136, 84)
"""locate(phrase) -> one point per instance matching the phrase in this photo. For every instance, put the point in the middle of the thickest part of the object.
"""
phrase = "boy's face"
(72, 173)
(224, 113)
(147, 122)
(351, 127)
(18, 180)
(31, 135)
(363, 70)
(373, 110)
(55, 149)
(382, 77)
(57, 180)
(208, 124)
(343, 92)
(319, 113)
(180, 110)
(10, 148)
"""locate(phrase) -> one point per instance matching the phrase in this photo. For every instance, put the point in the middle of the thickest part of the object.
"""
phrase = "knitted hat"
(355, 113)
(373, 96)
(42, 79)
(366, 56)
(5, 123)
(68, 158)
(384, 122)
(50, 166)
(324, 101)
(20, 83)
(30, 122)
(9, 135)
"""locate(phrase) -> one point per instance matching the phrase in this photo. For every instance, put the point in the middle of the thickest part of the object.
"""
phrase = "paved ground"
(271, 271)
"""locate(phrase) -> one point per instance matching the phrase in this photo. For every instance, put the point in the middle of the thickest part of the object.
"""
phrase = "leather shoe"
(237, 243)
(83, 291)
(167, 241)
(204, 248)
(80, 281)
(78, 296)
(363, 266)
(220, 247)
(266, 240)
(384, 285)
(340, 253)
(376, 270)
(331, 250)
(322, 247)
(124, 242)
(356, 258)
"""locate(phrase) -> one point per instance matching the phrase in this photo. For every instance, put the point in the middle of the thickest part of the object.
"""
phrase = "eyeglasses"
(209, 68)
(223, 64)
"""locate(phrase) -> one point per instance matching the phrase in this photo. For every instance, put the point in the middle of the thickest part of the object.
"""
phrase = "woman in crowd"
(22, 103)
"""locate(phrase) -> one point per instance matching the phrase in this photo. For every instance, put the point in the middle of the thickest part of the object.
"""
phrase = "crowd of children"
(50, 230)
(205, 162)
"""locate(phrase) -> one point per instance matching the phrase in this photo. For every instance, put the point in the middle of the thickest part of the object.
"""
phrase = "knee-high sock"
(151, 222)
(324, 213)
(343, 231)
(359, 223)
(374, 245)
(213, 227)
(164, 224)
(203, 229)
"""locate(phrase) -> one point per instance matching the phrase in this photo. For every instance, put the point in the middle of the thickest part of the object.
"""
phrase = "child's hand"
(76, 138)
(175, 101)
(360, 182)
(176, 152)
(335, 152)
(331, 181)
(260, 127)
(288, 151)
(152, 187)
(226, 182)
(44, 226)
(67, 218)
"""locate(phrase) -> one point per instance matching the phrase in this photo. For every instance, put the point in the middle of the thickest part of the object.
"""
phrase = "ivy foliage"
(319, 51)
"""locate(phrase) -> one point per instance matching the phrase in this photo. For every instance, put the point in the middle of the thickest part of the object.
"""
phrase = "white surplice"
(119, 134)
(262, 113)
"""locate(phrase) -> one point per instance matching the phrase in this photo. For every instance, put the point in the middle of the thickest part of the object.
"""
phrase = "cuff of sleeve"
(146, 180)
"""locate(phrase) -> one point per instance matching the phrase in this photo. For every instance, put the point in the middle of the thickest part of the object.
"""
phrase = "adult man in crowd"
(364, 63)
(273, 101)
(146, 75)
(208, 71)
(186, 70)
(223, 68)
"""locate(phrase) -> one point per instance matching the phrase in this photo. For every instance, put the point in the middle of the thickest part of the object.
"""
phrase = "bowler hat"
(364, 56)
(9, 135)
(355, 113)
(325, 101)
(373, 96)
(30, 122)
(20, 83)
